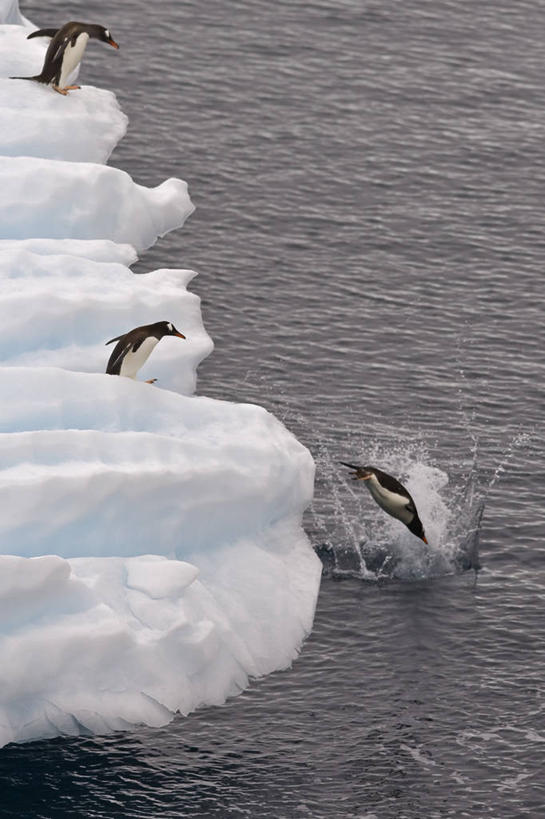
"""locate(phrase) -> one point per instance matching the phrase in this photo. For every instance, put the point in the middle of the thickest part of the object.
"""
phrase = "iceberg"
(152, 557)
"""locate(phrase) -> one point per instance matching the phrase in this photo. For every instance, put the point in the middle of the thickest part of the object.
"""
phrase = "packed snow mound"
(187, 568)
(60, 310)
(140, 470)
(9, 13)
(51, 150)
(79, 200)
(95, 645)
(98, 250)
(85, 126)
(152, 558)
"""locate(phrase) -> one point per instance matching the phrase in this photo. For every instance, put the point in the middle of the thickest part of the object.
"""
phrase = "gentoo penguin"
(66, 51)
(390, 496)
(133, 349)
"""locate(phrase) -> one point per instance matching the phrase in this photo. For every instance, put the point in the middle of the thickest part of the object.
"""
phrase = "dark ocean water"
(370, 187)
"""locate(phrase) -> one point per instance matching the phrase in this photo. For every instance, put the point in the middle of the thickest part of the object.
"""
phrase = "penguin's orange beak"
(180, 335)
(424, 539)
(113, 43)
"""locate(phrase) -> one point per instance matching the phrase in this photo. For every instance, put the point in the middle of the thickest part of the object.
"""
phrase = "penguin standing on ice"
(133, 349)
(65, 52)
(390, 496)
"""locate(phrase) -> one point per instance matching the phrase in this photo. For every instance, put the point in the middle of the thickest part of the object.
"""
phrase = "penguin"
(133, 348)
(65, 52)
(390, 496)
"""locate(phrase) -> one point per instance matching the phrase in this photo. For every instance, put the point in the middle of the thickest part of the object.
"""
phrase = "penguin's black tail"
(37, 78)
(41, 32)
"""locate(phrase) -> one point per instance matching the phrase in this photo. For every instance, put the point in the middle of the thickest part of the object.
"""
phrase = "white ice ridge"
(9, 13)
(51, 149)
(60, 309)
(138, 470)
(152, 558)
(81, 200)
(92, 119)
(101, 633)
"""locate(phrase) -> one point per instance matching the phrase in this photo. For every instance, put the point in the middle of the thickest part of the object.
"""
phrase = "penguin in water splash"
(133, 348)
(390, 496)
(65, 52)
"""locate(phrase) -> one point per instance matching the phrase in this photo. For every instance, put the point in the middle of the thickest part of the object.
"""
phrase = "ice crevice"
(152, 558)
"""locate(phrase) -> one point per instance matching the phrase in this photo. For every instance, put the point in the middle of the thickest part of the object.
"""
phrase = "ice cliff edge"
(152, 557)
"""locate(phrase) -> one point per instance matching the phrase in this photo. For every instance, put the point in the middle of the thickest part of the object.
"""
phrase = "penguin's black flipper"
(350, 466)
(116, 359)
(138, 343)
(42, 32)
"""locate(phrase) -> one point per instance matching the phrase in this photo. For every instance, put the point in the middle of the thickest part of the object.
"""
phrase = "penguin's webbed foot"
(64, 91)
(151, 381)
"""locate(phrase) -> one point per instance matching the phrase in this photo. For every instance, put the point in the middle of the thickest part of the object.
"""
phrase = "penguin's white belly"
(133, 361)
(72, 57)
(391, 502)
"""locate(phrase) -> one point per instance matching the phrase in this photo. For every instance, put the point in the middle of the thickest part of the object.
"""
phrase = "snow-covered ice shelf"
(152, 557)
(60, 309)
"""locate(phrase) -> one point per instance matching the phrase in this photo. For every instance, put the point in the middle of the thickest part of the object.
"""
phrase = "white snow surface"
(60, 310)
(9, 13)
(99, 250)
(152, 558)
(54, 199)
(85, 126)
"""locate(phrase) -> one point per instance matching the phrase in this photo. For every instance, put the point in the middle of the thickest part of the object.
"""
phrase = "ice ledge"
(170, 564)
(9, 13)
(82, 127)
(119, 642)
(139, 470)
(58, 310)
(45, 198)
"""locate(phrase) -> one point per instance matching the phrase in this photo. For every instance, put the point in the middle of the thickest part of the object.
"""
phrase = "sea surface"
(369, 178)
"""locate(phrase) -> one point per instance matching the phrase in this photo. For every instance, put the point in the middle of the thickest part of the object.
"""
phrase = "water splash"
(351, 534)
(451, 497)
(366, 543)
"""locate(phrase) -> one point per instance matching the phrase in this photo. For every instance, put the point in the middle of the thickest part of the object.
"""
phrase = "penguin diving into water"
(133, 349)
(390, 496)
(65, 52)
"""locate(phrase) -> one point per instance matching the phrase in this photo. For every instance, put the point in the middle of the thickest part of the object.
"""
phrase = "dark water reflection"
(369, 185)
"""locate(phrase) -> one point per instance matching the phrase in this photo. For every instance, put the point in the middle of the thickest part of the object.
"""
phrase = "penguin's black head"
(103, 34)
(362, 473)
(166, 328)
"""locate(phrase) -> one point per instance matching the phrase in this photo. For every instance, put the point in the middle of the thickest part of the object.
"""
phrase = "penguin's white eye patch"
(107, 33)
(170, 326)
